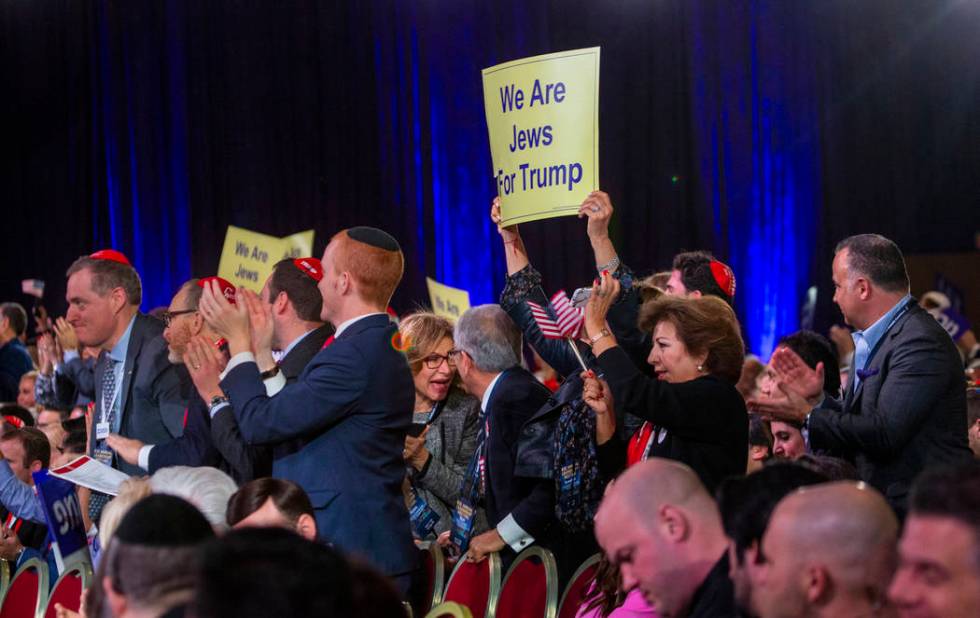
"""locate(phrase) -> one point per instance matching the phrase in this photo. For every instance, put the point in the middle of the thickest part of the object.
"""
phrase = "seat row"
(25, 595)
(528, 590)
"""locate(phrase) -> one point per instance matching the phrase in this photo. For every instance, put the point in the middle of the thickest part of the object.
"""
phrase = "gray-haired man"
(520, 510)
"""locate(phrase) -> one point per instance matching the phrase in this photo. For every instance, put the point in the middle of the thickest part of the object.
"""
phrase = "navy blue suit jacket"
(14, 363)
(218, 441)
(350, 411)
(514, 400)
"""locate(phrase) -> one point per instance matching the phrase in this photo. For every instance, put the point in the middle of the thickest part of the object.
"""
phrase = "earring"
(701, 368)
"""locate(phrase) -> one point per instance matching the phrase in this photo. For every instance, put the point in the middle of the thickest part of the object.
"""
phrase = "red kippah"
(112, 255)
(311, 267)
(227, 289)
(724, 277)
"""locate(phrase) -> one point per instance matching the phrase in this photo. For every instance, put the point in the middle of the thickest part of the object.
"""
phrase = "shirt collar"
(295, 341)
(873, 334)
(345, 325)
(118, 351)
(489, 391)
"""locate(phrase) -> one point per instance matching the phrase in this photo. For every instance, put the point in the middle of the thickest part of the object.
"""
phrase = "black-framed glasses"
(434, 361)
(168, 316)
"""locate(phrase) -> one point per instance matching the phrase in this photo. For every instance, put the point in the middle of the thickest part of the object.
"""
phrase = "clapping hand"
(227, 319)
(205, 363)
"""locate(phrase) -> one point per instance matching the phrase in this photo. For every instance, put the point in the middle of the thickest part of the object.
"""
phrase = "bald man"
(661, 528)
(829, 550)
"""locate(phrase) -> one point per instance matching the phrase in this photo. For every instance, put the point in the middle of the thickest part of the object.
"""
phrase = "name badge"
(459, 536)
(101, 431)
(423, 518)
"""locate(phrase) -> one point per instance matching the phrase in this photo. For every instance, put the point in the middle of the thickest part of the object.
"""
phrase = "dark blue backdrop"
(764, 131)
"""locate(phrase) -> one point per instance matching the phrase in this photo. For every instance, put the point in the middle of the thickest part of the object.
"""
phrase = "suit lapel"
(878, 352)
(129, 367)
(295, 362)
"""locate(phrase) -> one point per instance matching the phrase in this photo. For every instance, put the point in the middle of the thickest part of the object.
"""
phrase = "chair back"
(68, 589)
(26, 592)
(434, 564)
(449, 610)
(574, 593)
(475, 585)
(530, 589)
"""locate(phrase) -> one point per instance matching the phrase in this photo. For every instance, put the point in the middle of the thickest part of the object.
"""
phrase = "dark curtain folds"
(763, 131)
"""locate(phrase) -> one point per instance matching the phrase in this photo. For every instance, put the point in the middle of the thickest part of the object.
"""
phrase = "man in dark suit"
(905, 405)
(520, 510)
(14, 359)
(350, 408)
(139, 394)
(211, 435)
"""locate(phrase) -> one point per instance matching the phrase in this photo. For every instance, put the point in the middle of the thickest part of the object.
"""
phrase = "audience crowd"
(290, 452)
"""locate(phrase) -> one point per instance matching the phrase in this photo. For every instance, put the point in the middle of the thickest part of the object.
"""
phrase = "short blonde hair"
(131, 491)
(377, 271)
(421, 332)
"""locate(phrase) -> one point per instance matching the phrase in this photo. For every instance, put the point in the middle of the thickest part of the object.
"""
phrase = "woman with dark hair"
(697, 415)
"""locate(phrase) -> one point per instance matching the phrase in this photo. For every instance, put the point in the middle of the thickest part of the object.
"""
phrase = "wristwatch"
(602, 333)
(270, 373)
(216, 401)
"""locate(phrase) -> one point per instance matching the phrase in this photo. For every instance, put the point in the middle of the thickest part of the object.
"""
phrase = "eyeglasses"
(168, 316)
(434, 361)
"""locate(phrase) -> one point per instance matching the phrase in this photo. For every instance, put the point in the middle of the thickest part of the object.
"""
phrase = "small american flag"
(569, 322)
(570, 318)
(549, 327)
(34, 287)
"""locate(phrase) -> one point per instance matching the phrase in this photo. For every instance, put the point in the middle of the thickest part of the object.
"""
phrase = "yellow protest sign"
(449, 302)
(247, 257)
(543, 121)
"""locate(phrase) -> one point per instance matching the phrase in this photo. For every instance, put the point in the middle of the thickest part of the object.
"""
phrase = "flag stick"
(578, 354)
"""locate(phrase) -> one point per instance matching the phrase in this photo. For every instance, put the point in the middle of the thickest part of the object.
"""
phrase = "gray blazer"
(451, 441)
(908, 412)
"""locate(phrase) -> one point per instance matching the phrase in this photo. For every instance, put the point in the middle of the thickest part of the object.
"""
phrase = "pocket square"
(864, 374)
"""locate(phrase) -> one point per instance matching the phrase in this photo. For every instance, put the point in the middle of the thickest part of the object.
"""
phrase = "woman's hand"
(605, 289)
(596, 395)
(415, 452)
(599, 210)
(509, 233)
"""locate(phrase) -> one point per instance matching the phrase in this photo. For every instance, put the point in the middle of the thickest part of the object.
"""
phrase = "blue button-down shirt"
(866, 340)
(118, 357)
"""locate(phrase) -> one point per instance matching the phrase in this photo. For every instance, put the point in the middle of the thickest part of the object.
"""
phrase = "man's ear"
(117, 299)
(280, 304)
(36, 465)
(673, 523)
(117, 601)
(306, 527)
(816, 583)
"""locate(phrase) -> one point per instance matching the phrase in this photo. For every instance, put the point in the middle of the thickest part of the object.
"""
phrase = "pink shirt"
(635, 606)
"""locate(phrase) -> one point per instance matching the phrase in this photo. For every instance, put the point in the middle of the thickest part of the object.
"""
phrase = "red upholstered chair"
(24, 596)
(68, 589)
(475, 585)
(530, 589)
(434, 563)
(574, 593)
